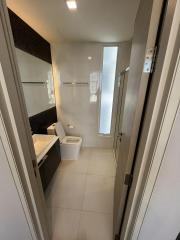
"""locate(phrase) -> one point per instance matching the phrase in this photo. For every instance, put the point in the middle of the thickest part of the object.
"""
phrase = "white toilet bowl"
(70, 145)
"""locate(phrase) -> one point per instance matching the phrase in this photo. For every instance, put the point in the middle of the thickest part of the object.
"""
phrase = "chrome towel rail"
(75, 83)
(35, 82)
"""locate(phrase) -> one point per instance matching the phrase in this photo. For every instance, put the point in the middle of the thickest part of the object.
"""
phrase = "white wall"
(71, 64)
(38, 97)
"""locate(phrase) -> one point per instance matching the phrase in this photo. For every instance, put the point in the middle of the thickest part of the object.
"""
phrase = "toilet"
(70, 145)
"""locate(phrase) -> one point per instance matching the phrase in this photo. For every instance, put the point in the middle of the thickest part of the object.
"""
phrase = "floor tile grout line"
(92, 174)
(101, 175)
(85, 184)
(86, 173)
(82, 211)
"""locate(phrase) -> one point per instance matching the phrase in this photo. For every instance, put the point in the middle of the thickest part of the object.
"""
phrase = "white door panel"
(144, 38)
(163, 213)
(13, 222)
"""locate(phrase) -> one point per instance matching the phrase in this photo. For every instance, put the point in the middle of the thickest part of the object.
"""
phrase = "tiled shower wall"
(81, 62)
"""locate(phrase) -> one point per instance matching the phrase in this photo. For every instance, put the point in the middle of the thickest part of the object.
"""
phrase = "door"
(15, 221)
(159, 208)
(143, 44)
(163, 210)
(120, 109)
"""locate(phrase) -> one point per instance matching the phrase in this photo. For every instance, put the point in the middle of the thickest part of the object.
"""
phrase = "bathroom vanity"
(47, 149)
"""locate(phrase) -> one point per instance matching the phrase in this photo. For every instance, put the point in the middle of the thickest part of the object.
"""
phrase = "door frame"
(162, 84)
(16, 123)
(36, 210)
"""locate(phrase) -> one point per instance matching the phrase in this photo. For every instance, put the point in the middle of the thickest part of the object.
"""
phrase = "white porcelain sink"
(42, 144)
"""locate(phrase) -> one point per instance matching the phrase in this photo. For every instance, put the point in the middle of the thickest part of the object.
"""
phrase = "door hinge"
(120, 136)
(128, 179)
(150, 60)
(154, 59)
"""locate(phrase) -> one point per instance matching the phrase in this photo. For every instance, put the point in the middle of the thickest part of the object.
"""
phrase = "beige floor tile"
(95, 226)
(65, 224)
(78, 166)
(102, 153)
(99, 194)
(51, 187)
(85, 154)
(67, 191)
(80, 196)
(104, 167)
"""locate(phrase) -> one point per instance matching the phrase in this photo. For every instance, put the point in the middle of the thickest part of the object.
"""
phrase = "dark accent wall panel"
(26, 39)
(41, 121)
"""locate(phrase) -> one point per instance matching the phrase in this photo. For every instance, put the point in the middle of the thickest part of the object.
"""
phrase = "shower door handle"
(120, 135)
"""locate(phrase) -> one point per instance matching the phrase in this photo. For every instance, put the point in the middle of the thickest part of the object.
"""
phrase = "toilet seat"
(69, 145)
(71, 140)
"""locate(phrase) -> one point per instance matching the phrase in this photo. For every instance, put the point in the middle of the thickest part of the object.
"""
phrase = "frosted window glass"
(107, 88)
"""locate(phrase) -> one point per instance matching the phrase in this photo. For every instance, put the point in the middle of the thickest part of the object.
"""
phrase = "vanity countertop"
(42, 144)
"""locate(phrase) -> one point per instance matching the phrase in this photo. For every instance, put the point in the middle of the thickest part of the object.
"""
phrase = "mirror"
(37, 82)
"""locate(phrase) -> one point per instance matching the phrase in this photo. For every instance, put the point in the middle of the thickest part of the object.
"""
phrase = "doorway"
(93, 175)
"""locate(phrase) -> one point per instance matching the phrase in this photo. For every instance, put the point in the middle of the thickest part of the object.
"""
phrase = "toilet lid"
(60, 130)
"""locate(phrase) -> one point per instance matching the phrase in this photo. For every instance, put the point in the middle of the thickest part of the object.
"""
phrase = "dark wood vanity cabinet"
(49, 164)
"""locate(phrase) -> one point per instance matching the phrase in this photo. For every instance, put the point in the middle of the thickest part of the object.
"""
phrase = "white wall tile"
(71, 64)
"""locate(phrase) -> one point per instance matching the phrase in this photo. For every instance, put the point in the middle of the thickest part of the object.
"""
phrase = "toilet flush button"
(70, 126)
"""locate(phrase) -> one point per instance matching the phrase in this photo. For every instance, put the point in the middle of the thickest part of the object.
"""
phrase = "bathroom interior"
(73, 83)
(89, 119)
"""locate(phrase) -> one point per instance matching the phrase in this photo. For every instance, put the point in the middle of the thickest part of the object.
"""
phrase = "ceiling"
(93, 21)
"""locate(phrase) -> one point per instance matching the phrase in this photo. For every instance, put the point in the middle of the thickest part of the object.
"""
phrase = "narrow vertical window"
(107, 88)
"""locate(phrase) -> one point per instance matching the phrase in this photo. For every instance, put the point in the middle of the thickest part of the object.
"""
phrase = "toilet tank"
(56, 129)
(51, 130)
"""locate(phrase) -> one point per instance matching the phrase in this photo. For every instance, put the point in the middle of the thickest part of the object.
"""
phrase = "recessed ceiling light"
(72, 5)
